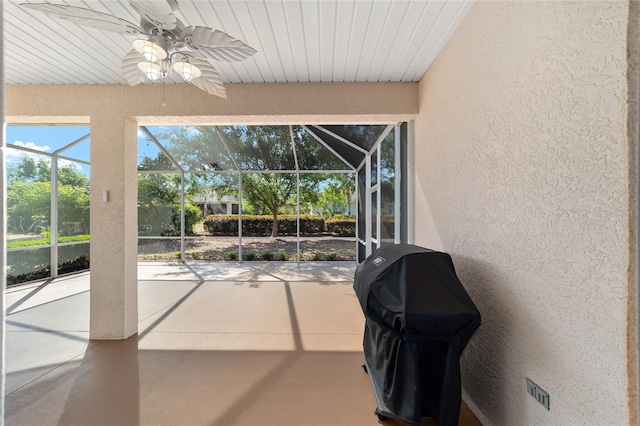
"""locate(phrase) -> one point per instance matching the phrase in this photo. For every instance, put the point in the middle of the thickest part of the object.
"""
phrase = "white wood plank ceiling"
(296, 40)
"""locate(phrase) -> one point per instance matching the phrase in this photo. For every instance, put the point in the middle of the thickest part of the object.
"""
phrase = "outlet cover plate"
(538, 393)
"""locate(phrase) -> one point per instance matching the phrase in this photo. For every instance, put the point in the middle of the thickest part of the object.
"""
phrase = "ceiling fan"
(168, 45)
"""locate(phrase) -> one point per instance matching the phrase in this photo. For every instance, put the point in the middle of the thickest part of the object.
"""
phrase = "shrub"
(28, 276)
(177, 255)
(18, 275)
(250, 256)
(309, 224)
(267, 255)
(332, 256)
(79, 264)
(196, 255)
(282, 257)
(315, 256)
(192, 215)
(288, 225)
(231, 255)
(254, 225)
(221, 224)
(158, 223)
(341, 227)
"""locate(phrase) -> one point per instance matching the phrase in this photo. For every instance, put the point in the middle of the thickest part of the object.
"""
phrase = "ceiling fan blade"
(158, 12)
(216, 44)
(130, 69)
(86, 17)
(209, 81)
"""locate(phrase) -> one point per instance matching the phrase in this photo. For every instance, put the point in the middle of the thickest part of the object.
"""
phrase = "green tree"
(157, 196)
(254, 148)
(269, 148)
(29, 196)
(29, 170)
(334, 198)
(192, 215)
(271, 192)
(73, 208)
(159, 199)
(28, 204)
(70, 177)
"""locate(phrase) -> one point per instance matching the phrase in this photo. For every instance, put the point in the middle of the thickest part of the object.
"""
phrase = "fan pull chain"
(163, 104)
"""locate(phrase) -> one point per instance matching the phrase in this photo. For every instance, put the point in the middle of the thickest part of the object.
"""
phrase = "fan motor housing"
(151, 28)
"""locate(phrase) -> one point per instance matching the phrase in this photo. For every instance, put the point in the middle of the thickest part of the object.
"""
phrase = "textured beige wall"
(114, 227)
(245, 103)
(522, 158)
(633, 122)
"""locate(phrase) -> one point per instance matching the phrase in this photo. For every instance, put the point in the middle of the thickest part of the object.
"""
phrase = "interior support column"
(114, 227)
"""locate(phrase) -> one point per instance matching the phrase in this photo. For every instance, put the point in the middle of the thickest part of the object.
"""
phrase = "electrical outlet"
(538, 393)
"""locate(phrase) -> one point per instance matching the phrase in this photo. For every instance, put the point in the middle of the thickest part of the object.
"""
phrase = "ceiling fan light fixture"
(151, 51)
(187, 70)
(162, 36)
(151, 70)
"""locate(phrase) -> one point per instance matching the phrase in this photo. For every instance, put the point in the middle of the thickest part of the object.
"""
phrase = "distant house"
(209, 203)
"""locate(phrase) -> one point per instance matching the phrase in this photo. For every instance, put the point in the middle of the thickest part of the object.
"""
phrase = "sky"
(46, 138)
(50, 138)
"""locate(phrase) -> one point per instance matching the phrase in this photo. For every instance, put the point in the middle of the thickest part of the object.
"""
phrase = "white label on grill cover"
(378, 261)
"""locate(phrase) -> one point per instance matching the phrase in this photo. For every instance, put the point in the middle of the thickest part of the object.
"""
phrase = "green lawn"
(45, 241)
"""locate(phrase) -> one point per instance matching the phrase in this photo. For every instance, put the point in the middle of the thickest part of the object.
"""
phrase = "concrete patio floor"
(260, 343)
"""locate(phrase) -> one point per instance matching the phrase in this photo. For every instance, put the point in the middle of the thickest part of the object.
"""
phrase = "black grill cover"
(419, 319)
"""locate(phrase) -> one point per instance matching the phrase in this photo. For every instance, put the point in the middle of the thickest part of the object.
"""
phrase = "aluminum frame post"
(397, 185)
(53, 221)
(182, 218)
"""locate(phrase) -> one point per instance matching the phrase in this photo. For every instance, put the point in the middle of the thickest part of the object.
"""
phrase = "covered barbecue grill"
(419, 319)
